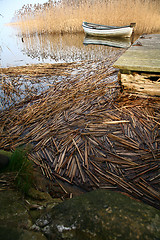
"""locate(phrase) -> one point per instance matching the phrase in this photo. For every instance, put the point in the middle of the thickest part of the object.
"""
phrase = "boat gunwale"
(103, 27)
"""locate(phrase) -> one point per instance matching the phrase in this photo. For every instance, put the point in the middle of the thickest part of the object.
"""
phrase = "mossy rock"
(38, 195)
(13, 212)
(19, 234)
(101, 215)
(40, 203)
(15, 219)
(6, 153)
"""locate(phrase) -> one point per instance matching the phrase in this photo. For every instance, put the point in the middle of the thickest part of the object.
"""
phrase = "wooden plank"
(143, 55)
(140, 83)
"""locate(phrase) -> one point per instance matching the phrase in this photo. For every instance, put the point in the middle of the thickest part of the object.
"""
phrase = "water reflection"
(111, 42)
(62, 48)
(19, 50)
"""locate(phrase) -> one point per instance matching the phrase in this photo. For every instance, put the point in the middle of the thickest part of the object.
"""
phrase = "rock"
(101, 215)
(37, 195)
(30, 235)
(4, 161)
(19, 234)
(13, 212)
(6, 153)
(15, 219)
(18, 212)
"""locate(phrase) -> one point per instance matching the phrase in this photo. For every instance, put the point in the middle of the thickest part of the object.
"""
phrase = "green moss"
(6, 153)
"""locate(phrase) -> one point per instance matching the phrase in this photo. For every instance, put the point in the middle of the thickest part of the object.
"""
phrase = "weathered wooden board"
(140, 83)
(143, 55)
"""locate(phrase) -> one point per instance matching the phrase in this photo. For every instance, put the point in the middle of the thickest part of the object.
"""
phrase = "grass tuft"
(23, 169)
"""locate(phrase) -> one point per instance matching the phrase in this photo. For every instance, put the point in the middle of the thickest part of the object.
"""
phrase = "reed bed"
(67, 16)
(83, 131)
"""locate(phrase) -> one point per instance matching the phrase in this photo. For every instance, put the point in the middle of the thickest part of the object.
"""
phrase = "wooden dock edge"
(139, 66)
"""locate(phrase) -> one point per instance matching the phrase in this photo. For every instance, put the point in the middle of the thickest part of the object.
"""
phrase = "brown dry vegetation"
(68, 16)
(83, 131)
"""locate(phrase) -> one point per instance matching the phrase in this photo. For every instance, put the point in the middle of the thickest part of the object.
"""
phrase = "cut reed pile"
(67, 16)
(83, 133)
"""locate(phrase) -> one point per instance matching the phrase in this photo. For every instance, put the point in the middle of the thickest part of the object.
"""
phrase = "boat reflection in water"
(111, 42)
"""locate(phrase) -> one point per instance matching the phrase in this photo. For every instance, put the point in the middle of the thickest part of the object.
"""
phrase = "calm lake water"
(15, 51)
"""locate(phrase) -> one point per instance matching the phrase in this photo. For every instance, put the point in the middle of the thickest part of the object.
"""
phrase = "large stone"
(101, 215)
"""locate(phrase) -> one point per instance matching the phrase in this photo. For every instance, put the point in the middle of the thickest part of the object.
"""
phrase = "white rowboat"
(109, 31)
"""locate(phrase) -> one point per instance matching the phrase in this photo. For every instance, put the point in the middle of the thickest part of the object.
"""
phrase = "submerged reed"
(67, 16)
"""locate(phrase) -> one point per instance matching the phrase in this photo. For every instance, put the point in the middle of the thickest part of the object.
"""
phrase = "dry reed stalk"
(83, 135)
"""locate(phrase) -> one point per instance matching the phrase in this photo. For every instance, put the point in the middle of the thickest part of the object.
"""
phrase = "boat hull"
(110, 32)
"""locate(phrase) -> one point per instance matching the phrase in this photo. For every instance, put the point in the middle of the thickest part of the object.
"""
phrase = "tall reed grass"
(67, 16)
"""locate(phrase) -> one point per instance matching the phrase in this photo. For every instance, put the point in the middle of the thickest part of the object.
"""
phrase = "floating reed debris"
(83, 131)
(19, 83)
